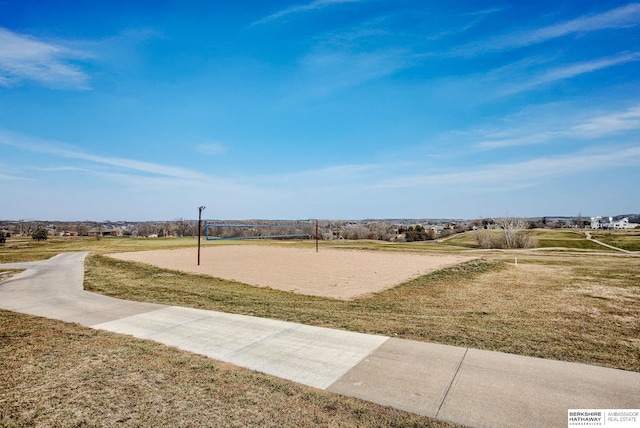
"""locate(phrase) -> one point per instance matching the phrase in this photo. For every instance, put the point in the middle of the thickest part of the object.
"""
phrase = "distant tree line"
(510, 231)
(175, 228)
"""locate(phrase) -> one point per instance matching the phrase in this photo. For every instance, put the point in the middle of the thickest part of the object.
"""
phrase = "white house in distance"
(609, 223)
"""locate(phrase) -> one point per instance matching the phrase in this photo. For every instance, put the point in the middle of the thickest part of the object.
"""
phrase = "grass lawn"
(466, 239)
(570, 304)
(60, 374)
(565, 238)
(625, 239)
(546, 238)
(559, 306)
(26, 249)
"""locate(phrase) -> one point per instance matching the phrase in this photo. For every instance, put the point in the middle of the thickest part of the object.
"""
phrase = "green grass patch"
(626, 239)
(565, 238)
(466, 239)
(546, 238)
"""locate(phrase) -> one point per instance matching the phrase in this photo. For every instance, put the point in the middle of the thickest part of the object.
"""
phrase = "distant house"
(437, 229)
(105, 231)
(610, 223)
(623, 223)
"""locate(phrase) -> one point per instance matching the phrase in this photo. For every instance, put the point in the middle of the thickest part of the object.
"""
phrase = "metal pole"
(199, 229)
(316, 235)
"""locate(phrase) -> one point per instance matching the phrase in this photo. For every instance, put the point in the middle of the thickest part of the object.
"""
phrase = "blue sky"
(331, 109)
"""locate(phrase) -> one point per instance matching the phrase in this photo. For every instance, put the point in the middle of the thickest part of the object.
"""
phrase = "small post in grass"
(199, 229)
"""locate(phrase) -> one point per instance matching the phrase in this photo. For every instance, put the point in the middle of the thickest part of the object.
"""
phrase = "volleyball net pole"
(200, 208)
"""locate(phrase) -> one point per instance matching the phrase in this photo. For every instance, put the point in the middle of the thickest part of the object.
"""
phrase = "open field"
(26, 249)
(59, 374)
(625, 239)
(546, 238)
(340, 274)
(572, 304)
(561, 306)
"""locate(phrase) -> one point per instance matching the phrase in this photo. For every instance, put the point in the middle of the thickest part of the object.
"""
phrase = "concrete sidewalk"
(467, 386)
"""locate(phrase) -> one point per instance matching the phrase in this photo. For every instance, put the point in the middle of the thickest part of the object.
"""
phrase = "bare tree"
(513, 235)
(27, 228)
(511, 226)
(81, 229)
(182, 227)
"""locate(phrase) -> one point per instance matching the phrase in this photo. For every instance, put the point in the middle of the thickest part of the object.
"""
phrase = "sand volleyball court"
(341, 274)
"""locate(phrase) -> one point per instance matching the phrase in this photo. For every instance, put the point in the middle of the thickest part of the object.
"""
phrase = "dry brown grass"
(571, 307)
(8, 273)
(558, 312)
(64, 375)
(574, 304)
(24, 249)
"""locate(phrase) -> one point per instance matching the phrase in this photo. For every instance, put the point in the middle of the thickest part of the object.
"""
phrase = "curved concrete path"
(589, 238)
(467, 386)
(54, 289)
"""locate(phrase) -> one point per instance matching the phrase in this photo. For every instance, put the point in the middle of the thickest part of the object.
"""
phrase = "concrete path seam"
(259, 343)
(454, 378)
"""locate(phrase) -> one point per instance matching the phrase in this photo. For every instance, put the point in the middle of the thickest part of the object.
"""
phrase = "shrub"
(489, 240)
(505, 239)
(39, 234)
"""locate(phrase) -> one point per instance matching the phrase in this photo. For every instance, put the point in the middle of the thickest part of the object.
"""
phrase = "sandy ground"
(341, 274)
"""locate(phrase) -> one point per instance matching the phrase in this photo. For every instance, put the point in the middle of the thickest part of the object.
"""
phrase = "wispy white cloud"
(8, 177)
(478, 16)
(213, 148)
(454, 30)
(609, 124)
(50, 64)
(314, 5)
(140, 182)
(352, 56)
(621, 17)
(361, 34)
(597, 126)
(61, 169)
(331, 176)
(325, 72)
(569, 71)
(68, 152)
(519, 173)
(517, 138)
